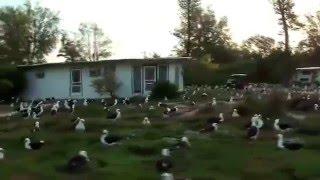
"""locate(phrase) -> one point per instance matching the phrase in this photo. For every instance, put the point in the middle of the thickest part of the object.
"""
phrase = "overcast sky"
(137, 26)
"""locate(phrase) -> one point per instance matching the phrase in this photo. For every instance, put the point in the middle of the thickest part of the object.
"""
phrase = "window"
(304, 79)
(137, 79)
(95, 72)
(76, 82)
(40, 75)
(109, 69)
(149, 77)
(306, 72)
(163, 73)
(177, 74)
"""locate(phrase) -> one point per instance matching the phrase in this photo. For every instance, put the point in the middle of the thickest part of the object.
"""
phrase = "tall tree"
(96, 44)
(288, 19)
(189, 14)
(312, 29)
(71, 49)
(28, 33)
(259, 44)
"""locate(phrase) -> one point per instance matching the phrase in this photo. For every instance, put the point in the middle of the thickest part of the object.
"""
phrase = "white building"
(74, 80)
(307, 75)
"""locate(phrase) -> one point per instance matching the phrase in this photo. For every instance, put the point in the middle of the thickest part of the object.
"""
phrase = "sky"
(145, 26)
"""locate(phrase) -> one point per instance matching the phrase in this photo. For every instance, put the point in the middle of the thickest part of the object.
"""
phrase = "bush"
(6, 86)
(164, 89)
(13, 82)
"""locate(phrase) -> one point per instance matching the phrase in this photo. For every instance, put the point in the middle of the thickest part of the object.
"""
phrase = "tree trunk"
(285, 27)
(189, 29)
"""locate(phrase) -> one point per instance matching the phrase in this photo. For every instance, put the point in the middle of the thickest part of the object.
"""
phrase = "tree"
(288, 19)
(106, 85)
(70, 49)
(312, 29)
(189, 14)
(204, 33)
(259, 44)
(94, 40)
(27, 33)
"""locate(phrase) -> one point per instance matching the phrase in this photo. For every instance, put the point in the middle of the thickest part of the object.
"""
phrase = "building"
(74, 80)
(307, 76)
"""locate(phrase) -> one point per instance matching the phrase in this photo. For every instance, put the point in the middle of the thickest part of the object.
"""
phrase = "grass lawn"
(225, 154)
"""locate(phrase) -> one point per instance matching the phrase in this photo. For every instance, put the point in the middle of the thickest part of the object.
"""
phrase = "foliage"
(71, 49)
(164, 89)
(12, 82)
(312, 29)
(106, 85)
(28, 33)
(200, 33)
(288, 18)
(259, 44)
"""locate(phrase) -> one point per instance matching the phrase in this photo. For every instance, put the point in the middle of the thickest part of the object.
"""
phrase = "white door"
(150, 77)
(76, 82)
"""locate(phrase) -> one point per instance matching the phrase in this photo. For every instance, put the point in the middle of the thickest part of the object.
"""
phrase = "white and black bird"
(126, 101)
(36, 127)
(36, 145)
(183, 143)
(146, 122)
(288, 144)
(289, 96)
(213, 102)
(109, 140)
(146, 100)
(235, 113)
(85, 102)
(164, 105)
(78, 162)
(253, 132)
(114, 115)
(80, 127)
(204, 94)
(282, 127)
(55, 108)
(210, 128)
(1, 153)
(37, 111)
(165, 163)
(110, 103)
(167, 176)
(216, 120)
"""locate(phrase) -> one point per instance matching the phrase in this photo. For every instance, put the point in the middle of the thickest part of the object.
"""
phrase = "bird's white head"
(84, 154)
(146, 119)
(27, 140)
(185, 139)
(165, 152)
(215, 125)
(277, 120)
(117, 110)
(105, 131)
(37, 124)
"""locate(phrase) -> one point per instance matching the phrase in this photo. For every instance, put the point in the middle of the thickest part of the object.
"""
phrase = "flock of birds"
(35, 110)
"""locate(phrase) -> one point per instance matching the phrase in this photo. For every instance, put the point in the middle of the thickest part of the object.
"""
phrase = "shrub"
(164, 89)
(5, 86)
(106, 85)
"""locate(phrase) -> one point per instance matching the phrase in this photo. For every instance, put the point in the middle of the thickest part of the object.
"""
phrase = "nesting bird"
(1, 153)
(165, 163)
(289, 97)
(214, 102)
(114, 115)
(282, 127)
(55, 108)
(85, 102)
(36, 145)
(167, 176)
(216, 120)
(80, 127)
(235, 113)
(109, 140)
(78, 162)
(126, 101)
(253, 132)
(210, 128)
(37, 110)
(288, 144)
(36, 127)
(146, 122)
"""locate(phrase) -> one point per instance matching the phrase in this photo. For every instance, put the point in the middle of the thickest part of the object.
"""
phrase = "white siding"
(123, 75)
(56, 82)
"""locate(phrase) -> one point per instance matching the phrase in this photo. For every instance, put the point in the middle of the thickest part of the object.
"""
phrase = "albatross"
(78, 162)
(288, 144)
(36, 145)
(165, 163)
(109, 140)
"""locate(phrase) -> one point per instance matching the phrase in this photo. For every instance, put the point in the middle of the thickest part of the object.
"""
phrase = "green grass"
(225, 154)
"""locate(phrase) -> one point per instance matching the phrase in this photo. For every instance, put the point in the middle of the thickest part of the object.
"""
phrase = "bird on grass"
(85, 102)
(78, 162)
(109, 140)
(235, 113)
(214, 102)
(55, 108)
(164, 105)
(282, 127)
(210, 128)
(216, 120)
(80, 127)
(165, 163)
(126, 101)
(36, 145)
(114, 115)
(183, 143)
(1, 153)
(288, 144)
(146, 122)
(167, 176)
(253, 132)
(37, 111)
(36, 127)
